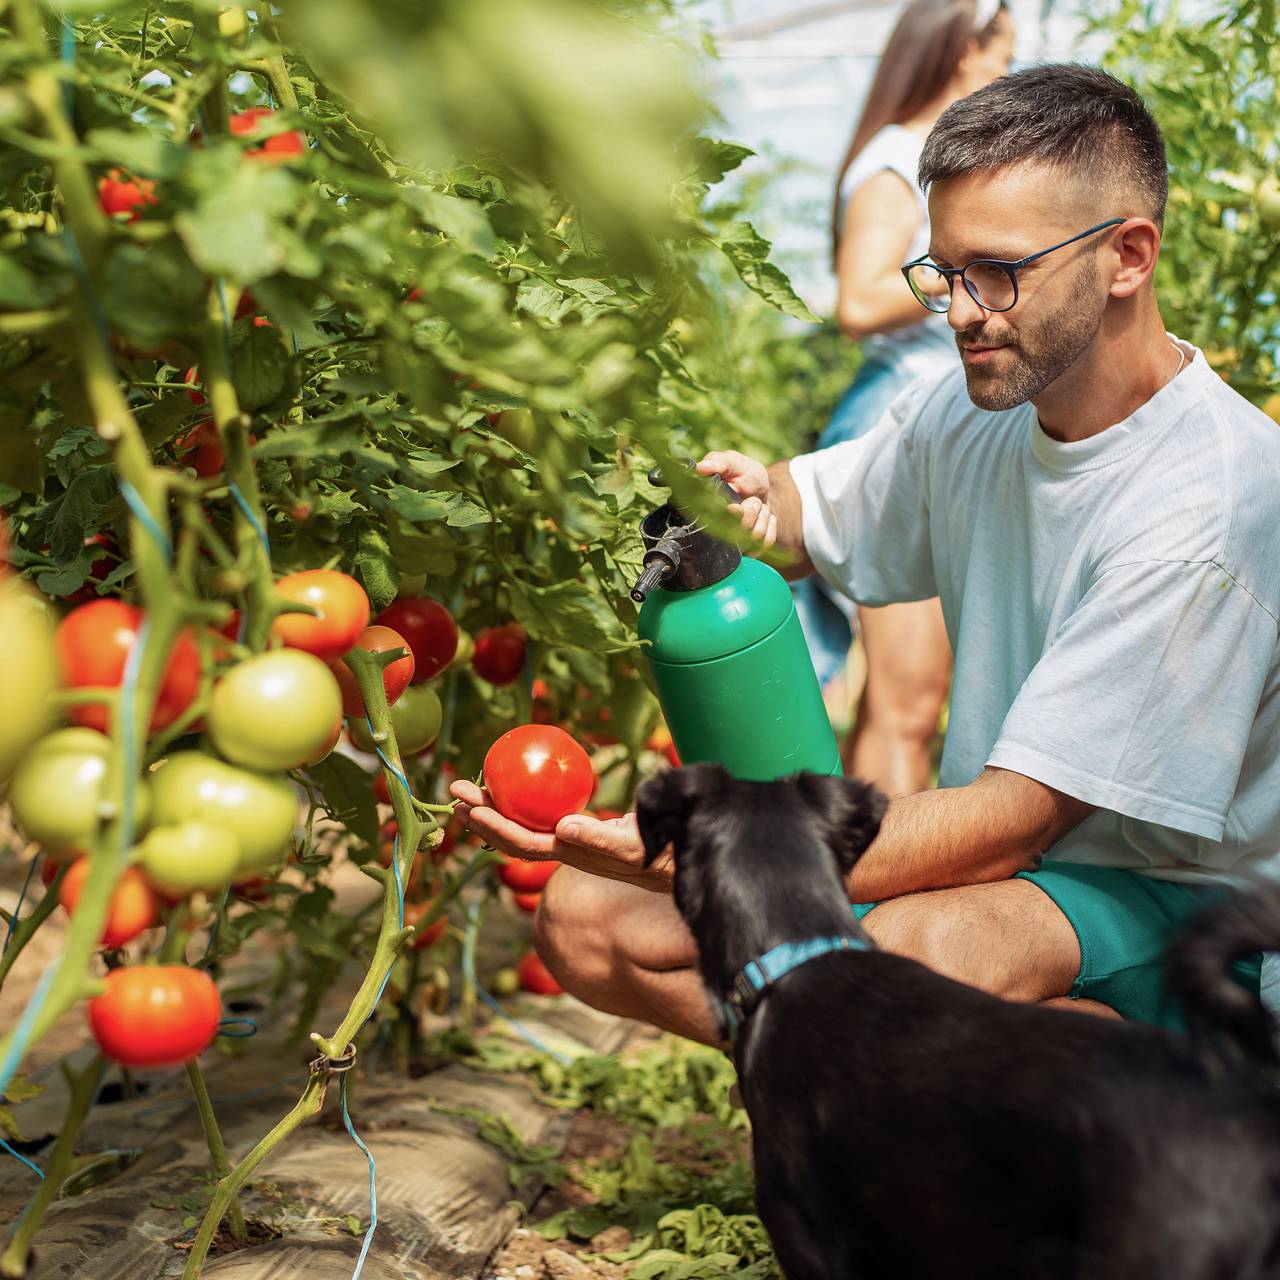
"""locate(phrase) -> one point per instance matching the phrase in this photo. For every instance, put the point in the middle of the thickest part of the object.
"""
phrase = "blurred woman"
(939, 51)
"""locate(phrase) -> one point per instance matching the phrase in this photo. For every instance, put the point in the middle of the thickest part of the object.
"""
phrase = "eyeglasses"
(991, 282)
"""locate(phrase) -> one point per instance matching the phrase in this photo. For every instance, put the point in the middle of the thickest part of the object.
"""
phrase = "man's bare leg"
(627, 951)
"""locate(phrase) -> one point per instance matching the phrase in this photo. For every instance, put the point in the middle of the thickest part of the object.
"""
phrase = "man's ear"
(850, 812)
(665, 803)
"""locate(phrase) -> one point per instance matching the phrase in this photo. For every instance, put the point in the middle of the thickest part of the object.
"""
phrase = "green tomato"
(258, 811)
(275, 711)
(180, 859)
(415, 716)
(58, 791)
(29, 674)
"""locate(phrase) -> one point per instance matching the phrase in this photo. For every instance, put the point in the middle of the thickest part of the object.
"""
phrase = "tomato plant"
(527, 877)
(341, 612)
(257, 810)
(155, 1016)
(58, 791)
(189, 856)
(416, 717)
(93, 644)
(499, 653)
(536, 774)
(534, 976)
(396, 675)
(275, 711)
(428, 629)
(133, 908)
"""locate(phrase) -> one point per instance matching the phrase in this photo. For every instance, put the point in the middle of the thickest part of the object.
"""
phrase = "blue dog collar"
(756, 977)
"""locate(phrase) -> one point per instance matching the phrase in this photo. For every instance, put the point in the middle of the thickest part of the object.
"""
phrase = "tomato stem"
(25, 928)
(217, 1149)
(84, 1088)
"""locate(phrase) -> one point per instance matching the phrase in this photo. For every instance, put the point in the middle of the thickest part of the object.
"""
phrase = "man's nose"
(964, 313)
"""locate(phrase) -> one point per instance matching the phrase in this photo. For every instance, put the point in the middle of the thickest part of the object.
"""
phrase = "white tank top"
(928, 347)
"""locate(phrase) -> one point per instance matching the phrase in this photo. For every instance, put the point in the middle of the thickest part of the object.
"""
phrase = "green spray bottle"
(727, 653)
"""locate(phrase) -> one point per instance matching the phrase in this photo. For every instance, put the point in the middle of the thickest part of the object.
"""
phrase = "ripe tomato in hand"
(133, 906)
(536, 977)
(93, 643)
(277, 149)
(119, 193)
(429, 631)
(274, 711)
(536, 774)
(342, 612)
(155, 1015)
(527, 877)
(395, 676)
(499, 654)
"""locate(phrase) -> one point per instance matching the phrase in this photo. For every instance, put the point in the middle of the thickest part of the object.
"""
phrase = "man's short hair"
(1077, 119)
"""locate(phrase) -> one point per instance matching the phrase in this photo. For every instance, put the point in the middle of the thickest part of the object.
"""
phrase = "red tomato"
(413, 912)
(535, 774)
(499, 655)
(93, 643)
(380, 791)
(536, 977)
(205, 449)
(191, 379)
(278, 149)
(134, 905)
(527, 877)
(155, 1015)
(395, 676)
(342, 612)
(428, 629)
(99, 569)
(119, 193)
(527, 901)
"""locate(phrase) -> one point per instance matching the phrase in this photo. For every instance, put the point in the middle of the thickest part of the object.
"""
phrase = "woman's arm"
(880, 221)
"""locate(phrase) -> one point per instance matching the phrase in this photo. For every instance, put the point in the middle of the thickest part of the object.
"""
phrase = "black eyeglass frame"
(1010, 269)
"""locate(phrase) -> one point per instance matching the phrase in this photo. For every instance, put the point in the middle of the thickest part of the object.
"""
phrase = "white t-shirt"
(1112, 604)
(927, 348)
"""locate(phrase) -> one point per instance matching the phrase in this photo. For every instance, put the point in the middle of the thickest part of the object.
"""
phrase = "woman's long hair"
(920, 58)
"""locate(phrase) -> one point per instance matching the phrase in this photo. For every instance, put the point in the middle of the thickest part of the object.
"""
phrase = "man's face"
(1011, 356)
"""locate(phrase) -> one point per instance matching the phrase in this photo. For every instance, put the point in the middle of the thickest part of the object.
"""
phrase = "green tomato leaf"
(377, 569)
(348, 795)
(748, 250)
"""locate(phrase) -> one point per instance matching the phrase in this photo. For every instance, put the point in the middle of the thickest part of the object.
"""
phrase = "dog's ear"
(665, 803)
(849, 810)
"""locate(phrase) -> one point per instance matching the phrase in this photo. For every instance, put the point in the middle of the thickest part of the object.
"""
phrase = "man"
(1096, 510)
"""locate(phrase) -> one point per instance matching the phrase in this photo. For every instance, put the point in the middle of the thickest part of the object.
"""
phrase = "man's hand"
(609, 848)
(749, 479)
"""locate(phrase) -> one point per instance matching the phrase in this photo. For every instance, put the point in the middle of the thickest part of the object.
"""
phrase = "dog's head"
(756, 862)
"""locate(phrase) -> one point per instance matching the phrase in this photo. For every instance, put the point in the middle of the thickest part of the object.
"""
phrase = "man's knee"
(1008, 938)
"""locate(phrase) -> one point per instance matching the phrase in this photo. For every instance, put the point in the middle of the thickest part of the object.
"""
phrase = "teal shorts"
(1125, 922)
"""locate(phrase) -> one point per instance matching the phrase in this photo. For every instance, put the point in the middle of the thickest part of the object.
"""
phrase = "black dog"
(908, 1127)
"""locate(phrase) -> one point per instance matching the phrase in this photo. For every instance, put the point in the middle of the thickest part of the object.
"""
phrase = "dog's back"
(907, 1126)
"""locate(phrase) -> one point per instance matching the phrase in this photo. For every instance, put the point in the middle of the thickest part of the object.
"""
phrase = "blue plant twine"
(469, 972)
(373, 1180)
(251, 516)
(13, 919)
(17, 1155)
(142, 514)
(225, 1026)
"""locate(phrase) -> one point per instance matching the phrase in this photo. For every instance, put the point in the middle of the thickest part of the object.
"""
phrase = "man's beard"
(1041, 354)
